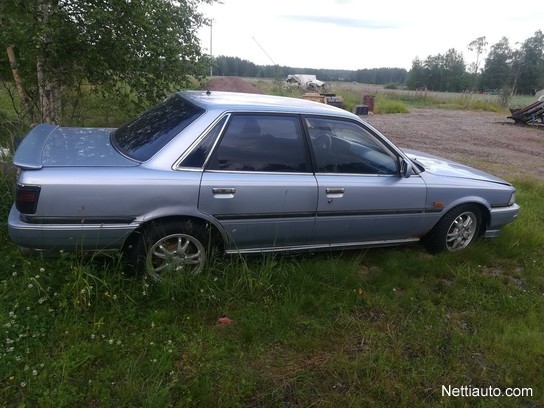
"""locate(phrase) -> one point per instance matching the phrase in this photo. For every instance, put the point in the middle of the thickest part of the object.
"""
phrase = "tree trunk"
(49, 93)
(27, 103)
(49, 89)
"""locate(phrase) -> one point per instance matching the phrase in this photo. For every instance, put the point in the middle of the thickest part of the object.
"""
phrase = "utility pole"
(211, 49)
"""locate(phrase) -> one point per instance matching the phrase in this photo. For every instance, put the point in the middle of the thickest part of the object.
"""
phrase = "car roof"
(233, 101)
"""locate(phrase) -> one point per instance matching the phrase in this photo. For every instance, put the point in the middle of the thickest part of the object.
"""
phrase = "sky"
(358, 34)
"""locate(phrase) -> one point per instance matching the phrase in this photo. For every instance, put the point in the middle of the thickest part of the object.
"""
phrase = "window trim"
(198, 140)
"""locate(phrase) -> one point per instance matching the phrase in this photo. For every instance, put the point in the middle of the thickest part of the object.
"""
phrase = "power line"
(262, 49)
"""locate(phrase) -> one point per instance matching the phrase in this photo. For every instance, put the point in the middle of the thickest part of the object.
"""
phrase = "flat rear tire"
(170, 247)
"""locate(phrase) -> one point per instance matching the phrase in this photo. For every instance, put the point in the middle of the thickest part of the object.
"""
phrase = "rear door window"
(261, 143)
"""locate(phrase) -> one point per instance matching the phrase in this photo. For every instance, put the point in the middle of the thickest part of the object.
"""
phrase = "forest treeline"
(498, 67)
(234, 66)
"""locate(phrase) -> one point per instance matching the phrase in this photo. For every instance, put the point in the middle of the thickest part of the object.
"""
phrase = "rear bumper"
(67, 236)
(500, 217)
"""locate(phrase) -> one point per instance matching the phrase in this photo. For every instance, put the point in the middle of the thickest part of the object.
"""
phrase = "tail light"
(26, 198)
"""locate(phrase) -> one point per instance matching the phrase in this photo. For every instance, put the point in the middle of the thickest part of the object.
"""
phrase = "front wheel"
(170, 248)
(455, 231)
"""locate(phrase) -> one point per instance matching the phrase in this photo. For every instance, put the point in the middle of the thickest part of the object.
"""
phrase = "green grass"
(362, 328)
(387, 104)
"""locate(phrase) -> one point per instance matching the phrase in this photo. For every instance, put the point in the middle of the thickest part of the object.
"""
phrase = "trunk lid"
(54, 146)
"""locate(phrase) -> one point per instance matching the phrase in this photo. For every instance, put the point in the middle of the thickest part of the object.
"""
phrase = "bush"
(384, 104)
(391, 85)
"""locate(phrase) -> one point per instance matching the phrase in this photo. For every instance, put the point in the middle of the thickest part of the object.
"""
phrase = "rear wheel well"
(215, 237)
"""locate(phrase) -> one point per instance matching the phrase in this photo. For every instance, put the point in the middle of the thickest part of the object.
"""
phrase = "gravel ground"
(488, 141)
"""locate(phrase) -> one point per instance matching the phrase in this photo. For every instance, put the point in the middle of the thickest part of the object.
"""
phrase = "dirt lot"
(484, 140)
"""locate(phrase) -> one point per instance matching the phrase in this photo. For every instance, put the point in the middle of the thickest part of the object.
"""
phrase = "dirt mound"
(231, 84)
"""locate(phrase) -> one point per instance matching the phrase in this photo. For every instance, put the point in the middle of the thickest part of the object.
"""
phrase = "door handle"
(222, 192)
(335, 190)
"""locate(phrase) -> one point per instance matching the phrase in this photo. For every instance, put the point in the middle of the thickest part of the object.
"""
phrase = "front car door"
(362, 198)
(259, 185)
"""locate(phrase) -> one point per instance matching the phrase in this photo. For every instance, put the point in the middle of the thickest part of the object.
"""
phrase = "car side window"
(199, 153)
(346, 147)
(268, 143)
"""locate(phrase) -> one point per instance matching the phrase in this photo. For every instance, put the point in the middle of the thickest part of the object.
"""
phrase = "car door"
(362, 198)
(258, 183)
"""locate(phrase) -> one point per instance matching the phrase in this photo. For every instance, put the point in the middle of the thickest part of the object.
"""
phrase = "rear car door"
(362, 197)
(258, 183)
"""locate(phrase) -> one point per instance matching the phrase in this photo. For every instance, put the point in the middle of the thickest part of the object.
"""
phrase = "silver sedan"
(244, 174)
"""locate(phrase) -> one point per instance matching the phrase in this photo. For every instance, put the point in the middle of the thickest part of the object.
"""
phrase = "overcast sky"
(357, 34)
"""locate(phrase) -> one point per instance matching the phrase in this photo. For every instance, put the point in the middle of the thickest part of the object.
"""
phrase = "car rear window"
(145, 135)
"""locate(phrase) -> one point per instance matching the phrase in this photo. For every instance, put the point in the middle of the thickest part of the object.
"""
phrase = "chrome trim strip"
(279, 216)
(264, 216)
(276, 173)
(76, 220)
(349, 245)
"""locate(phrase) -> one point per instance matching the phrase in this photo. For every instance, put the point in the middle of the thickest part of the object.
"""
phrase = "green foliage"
(391, 85)
(497, 72)
(439, 72)
(445, 100)
(521, 69)
(385, 104)
(141, 49)
(96, 107)
(351, 98)
(505, 97)
(531, 64)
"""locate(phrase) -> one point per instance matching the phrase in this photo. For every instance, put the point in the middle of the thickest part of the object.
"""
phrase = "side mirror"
(405, 167)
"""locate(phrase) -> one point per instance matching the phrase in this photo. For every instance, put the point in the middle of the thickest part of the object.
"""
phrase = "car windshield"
(145, 135)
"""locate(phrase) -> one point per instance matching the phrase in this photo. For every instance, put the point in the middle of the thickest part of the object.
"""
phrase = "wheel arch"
(480, 203)
(217, 233)
(437, 239)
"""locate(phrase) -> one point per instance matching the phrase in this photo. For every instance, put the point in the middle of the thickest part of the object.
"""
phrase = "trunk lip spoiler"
(28, 155)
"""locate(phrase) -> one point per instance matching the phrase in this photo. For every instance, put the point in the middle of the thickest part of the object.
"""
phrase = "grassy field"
(380, 327)
(400, 100)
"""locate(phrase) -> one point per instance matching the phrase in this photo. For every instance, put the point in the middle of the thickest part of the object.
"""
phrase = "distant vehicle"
(245, 174)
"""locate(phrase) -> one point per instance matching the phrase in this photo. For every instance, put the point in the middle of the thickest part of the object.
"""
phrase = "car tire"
(454, 231)
(170, 247)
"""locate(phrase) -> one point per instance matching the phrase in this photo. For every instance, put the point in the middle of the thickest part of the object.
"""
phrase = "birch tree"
(145, 47)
